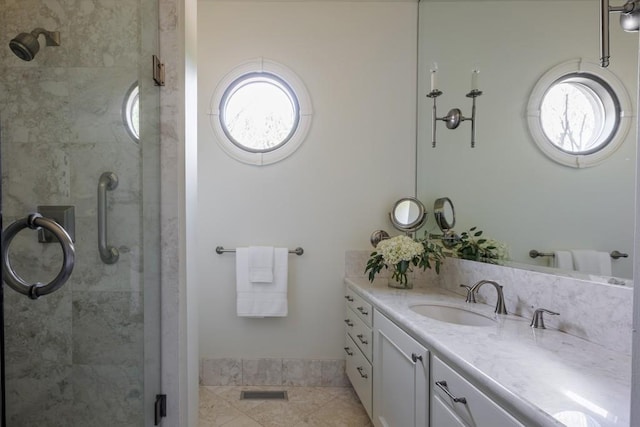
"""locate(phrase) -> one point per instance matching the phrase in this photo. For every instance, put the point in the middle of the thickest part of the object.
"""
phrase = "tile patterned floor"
(306, 407)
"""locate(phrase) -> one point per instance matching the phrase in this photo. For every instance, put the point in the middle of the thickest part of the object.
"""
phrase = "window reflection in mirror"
(507, 186)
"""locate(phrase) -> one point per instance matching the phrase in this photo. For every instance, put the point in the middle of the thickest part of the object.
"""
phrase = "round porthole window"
(579, 114)
(260, 112)
(131, 112)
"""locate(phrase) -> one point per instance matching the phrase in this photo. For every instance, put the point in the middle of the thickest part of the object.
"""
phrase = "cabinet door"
(400, 377)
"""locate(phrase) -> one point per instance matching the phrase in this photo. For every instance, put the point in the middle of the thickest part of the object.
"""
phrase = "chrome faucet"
(471, 297)
(500, 307)
(538, 320)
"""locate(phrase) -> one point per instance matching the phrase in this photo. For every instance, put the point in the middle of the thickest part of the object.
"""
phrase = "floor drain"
(263, 395)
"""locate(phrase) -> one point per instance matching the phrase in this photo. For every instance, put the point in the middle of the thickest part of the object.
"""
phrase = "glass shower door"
(88, 353)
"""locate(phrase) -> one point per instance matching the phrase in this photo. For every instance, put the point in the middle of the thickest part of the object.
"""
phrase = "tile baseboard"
(273, 372)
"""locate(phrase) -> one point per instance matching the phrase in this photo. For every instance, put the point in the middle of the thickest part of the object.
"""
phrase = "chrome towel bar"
(614, 254)
(298, 251)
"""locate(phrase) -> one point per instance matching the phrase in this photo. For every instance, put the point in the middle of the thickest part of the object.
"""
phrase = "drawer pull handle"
(416, 357)
(443, 387)
(363, 375)
(363, 311)
(348, 322)
(348, 350)
(361, 338)
(349, 298)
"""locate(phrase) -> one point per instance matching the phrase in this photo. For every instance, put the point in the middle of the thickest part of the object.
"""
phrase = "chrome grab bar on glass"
(17, 283)
(108, 254)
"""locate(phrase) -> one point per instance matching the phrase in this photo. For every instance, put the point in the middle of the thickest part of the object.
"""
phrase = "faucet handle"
(538, 320)
(471, 295)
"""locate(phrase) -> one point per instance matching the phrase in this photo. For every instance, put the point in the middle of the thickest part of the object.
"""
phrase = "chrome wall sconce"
(454, 117)
(629, 20)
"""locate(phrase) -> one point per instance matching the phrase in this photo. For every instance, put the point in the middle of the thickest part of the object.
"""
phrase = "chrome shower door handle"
(17, 283)
(108, 254)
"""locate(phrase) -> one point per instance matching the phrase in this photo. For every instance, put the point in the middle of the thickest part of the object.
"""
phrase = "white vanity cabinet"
(403, 384)
(400, 377)
(456, 402)
(359, 347)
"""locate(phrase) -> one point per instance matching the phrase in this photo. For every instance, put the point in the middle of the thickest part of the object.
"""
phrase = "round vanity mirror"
(444, 213)
(408, 214)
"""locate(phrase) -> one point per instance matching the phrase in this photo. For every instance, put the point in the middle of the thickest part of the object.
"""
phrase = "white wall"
(358, 61)
(505, 185)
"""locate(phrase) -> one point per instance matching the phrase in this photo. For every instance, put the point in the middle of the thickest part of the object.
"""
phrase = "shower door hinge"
(160, 408)
(158, 71)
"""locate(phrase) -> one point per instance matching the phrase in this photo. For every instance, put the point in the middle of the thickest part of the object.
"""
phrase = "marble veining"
(536, 374)
(598, 312)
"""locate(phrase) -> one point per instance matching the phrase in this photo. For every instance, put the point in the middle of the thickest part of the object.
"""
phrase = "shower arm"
(630, 7)
(52, 38)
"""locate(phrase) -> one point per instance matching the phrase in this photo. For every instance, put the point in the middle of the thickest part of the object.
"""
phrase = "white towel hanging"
(563, 260)
(262, 299)
(592, 262)
(261, 264)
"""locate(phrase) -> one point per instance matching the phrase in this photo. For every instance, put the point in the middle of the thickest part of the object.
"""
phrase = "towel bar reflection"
(614, 254)
(298, 251)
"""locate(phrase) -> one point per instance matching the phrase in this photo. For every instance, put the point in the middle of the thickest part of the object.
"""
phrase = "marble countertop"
(543, 376)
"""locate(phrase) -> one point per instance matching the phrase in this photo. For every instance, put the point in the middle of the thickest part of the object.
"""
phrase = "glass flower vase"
(394, 283)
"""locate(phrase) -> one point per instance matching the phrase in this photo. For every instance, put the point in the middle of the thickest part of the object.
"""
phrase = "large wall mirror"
(505, 185)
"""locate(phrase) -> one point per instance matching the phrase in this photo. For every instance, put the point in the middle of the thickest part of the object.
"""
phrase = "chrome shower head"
(25, 45)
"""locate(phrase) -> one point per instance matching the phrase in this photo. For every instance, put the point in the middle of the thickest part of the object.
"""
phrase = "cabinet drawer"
(443, 416)
(359, 372)
(362, 308)
(359, 332)
(478, 410)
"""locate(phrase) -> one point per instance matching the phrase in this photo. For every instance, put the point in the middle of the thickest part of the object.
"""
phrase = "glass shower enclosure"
(79, 143)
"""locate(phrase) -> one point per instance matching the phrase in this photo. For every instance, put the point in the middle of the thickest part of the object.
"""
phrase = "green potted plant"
(472, 246)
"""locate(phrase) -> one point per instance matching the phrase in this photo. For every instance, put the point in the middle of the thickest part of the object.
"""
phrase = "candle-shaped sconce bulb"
(474, 79)
(434, 81)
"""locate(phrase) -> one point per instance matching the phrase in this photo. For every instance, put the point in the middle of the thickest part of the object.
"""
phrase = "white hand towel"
(262, 299)
(563, 260)
(592, 262)
(261, 264)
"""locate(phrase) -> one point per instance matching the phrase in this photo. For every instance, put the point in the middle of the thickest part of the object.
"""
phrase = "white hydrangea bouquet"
(399, 254)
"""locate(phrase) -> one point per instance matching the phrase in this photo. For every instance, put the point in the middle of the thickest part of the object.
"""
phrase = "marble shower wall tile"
(91, 274)
(92, 32)
(598, 312)
(108, 395)
(38, 358)
(75, 357)
(37, 332)
(51, 386)
(273, 372)
(108, 328)
(37, 174)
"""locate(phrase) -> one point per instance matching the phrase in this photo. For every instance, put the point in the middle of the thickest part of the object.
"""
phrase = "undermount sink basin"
(449, 314)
